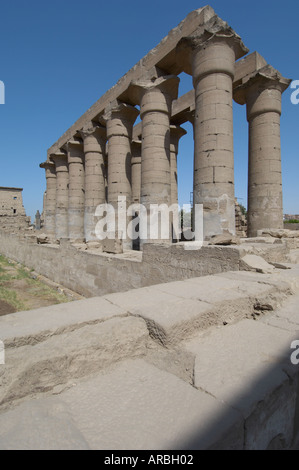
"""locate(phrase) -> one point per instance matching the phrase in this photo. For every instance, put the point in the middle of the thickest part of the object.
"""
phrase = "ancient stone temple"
(12, 212)
(105, 155)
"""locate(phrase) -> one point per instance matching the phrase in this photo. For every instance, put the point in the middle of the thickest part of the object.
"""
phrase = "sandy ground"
(22, 290)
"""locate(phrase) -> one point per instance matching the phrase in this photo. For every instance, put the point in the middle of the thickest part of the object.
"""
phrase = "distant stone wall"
(92, 274)
(11, 202)
(12, 212)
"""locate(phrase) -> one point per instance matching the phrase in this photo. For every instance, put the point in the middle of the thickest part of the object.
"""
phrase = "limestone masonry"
(141, 161)
(177, 345)
(12, 212)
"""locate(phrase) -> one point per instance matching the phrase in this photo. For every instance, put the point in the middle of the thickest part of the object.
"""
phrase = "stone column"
(155, 99)
(262, 94)
(62, 181)
(50, 202)
(76, 191)
(94, 139)
(136, 171)
(213, 54)
(176, 133)
(136, 189)
(120, 119)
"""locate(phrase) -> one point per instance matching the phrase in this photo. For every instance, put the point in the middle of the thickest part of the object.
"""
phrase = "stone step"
(247, 366)
(133, 406)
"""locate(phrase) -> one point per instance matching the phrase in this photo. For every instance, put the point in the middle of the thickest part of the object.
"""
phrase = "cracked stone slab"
(286, 317)
(174, 311)
(282, 280)
(133, 406)
(36, 325)
(247, 365)
(213, 289)
(169, 317)
(255, 263)
(30, 370)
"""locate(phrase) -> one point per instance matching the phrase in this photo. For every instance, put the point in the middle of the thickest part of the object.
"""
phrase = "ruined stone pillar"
(212, 55)
(176, 133)
(94, 139)
(120, 119)
(76, 191)
(62, 194)
(50, 202)
(155, 99)
(136, 171)
(262, 94)
(136, 190)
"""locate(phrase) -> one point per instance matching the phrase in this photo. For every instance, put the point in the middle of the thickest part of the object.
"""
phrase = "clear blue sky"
(59, 56)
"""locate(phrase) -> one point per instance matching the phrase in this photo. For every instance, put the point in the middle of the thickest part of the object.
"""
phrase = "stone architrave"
(262, 94)
(62, 181)
(213, 51)
(75, 156)
(155, 98)
(50, 202)
(94, 140)
(120, 118)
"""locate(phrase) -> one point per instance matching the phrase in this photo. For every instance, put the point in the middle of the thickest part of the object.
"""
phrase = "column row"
(146, 172)
(78, 178)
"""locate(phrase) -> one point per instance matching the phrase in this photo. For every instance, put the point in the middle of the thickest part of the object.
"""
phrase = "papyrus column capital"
(208, 49)
(176, 133)
(156, 95)
(262, 92)
(120, 113)
(93, 133)
(50, 169)
(60, 161)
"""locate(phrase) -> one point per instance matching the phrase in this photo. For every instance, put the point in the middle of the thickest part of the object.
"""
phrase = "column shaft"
(50, 202)
(213, 71)
(176, 132)
(76, 191)
(62, 180)
(264, 167)
(262, 94)
(155, 109)
(94, 150)
(120, 119)
(136, 171)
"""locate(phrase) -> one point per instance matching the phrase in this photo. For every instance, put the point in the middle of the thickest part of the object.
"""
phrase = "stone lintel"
(162, 56)
(247, 66)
